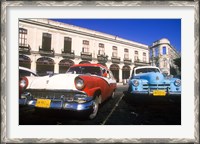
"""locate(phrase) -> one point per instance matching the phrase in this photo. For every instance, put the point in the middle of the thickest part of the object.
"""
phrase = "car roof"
(27, 69)
(89, 64)
(146, 67)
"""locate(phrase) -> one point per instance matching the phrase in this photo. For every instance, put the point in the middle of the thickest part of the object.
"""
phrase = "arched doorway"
(125, 73)
(82, 62)
(44, 66)
(64, 65)
(115, 70)
(24, 61)
(103, 64)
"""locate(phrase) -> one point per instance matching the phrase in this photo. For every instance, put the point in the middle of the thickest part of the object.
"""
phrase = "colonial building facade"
(162, 54)
(49, 46)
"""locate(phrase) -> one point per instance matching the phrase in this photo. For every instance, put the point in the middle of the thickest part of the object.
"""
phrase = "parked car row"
(82, 88)
(85, 86)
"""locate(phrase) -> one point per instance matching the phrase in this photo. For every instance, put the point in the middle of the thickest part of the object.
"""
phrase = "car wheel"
(95, 108)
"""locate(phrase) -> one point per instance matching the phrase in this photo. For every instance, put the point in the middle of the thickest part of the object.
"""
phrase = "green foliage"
(177, 62)
(173, 71)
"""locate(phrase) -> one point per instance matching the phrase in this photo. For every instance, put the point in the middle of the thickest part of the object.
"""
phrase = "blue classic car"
(148, 80)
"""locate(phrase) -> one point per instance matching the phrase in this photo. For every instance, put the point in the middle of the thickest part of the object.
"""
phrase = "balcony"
(86, 56)
(115, 59)
(45, 52)
(127, 61)
(69, 55)
(102, 57)
(139, 62)
(24, 49)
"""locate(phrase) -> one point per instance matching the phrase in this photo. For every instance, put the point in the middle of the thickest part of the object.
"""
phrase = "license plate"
(43, 103)
(159, 93)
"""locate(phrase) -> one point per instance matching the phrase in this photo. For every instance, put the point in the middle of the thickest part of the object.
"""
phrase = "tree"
(177, 62)
(156, 61)
(173, 71)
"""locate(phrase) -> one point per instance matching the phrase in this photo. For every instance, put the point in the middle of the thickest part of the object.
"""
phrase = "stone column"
(33, 62)
(120, 73)
(56, 65)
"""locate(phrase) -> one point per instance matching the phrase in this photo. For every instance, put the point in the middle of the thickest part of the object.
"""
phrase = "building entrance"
(115, 70)
(24, 61)
(44, 66)
(126, 72)
(64, 65)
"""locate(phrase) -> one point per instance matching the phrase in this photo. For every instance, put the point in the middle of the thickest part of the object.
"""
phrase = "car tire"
(95, 108)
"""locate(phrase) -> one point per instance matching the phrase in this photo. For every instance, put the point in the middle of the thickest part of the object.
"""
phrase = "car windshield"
(23, 73)
(146, 70)
(85, 70)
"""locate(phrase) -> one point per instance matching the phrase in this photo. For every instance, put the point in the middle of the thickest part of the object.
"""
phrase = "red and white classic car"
(82, 88)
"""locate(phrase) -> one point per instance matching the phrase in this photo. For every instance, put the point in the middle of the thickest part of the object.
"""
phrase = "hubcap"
(95, 108)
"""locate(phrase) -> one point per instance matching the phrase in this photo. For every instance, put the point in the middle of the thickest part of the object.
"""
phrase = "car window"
(153, 70)
(85, 70)
(25, 73)
(138, 71)
(145, 70)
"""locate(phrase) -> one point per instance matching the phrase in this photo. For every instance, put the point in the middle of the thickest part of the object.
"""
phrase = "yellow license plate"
(43, 103)
(159, 93)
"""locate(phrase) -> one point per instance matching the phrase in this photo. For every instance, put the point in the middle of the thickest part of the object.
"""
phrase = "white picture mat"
(185, 130)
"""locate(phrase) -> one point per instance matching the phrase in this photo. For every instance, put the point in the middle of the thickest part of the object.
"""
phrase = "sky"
(145, 31)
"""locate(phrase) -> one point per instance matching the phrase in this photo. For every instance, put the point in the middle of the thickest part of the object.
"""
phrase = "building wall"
(36, 27)
(163, 60)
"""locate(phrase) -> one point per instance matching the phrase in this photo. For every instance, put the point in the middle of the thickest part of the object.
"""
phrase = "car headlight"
(79, 83)
(135, 83)
(177, 82)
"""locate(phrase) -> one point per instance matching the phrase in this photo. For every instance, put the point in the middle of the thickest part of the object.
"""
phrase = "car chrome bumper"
(59, 104)
(170, 93)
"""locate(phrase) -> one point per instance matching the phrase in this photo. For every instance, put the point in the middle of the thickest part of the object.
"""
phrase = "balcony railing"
(70, 55)
(86, 56)
(127, 61)
(102, 57)
(140, 62)
(115, 59)
(25, 49)
(44, 52)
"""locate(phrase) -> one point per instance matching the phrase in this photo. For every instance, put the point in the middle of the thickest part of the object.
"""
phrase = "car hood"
(152, 77)
(59, 81)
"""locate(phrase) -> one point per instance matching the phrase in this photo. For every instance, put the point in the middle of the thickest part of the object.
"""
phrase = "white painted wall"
(34, 39)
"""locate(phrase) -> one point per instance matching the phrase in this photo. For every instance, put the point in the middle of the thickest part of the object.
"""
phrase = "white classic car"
(82, 88)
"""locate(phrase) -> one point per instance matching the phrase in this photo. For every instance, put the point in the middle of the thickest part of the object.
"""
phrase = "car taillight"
(23, 83)
(79, 83)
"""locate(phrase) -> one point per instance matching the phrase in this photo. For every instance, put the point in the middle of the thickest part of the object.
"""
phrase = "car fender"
(172, 85)
(139, 87)
(93, 84)
(92, 91)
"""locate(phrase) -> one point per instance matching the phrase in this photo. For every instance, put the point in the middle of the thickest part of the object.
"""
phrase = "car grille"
(156, 87)
(51, 94)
